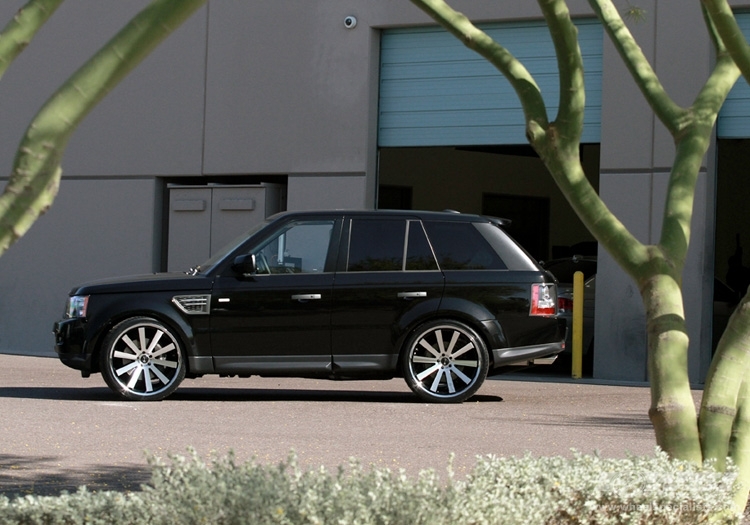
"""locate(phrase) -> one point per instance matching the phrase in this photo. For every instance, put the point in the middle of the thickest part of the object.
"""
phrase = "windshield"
(226, 249)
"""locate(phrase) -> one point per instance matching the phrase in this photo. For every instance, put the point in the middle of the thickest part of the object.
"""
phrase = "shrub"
(526, 490)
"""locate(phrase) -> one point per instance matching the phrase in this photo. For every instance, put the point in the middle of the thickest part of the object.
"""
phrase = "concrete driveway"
(60, 431)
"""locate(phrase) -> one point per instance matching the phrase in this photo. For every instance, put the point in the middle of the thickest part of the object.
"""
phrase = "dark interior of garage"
(507, 181)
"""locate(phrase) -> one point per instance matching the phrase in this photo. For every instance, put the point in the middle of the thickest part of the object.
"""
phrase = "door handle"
(306, 297)
(411, 295)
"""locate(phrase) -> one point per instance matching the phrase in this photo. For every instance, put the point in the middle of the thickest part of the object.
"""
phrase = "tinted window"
(513, 256)
(459, 246)
(376, 245)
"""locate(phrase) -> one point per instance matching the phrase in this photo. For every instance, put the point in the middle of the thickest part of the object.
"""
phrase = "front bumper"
(70, 344)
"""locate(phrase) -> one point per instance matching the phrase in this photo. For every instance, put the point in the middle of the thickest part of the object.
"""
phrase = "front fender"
(107, 311)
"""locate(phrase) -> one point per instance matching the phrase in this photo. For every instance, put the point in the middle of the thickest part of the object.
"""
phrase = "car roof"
(447, 215)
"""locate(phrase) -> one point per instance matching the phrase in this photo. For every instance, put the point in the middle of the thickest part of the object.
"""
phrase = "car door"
(276, 321)
(386, 278)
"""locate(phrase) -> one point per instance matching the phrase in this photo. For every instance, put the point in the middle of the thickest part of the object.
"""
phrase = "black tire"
(142, 359)
(445, 362)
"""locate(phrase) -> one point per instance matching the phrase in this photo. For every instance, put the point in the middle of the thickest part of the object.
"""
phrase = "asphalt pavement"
(60, 431)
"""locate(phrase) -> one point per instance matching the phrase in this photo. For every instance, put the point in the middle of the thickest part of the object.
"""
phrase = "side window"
(460, 246)
(376, 245)
(300, 247)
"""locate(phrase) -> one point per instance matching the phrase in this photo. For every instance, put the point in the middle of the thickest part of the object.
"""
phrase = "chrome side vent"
(193, 304)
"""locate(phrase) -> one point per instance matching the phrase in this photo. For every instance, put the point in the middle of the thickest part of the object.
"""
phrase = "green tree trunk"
(36, 173)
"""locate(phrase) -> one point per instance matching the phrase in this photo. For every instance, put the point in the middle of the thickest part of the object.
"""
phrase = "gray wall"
(107, 218)
(281, 88)
(151, 124)
(290, 91)
(97, 228)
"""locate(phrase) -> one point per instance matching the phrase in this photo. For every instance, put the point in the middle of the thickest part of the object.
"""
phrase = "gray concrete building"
(254, 107)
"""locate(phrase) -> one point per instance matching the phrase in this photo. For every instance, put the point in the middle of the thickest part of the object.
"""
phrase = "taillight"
(564, 304)
(543, 299)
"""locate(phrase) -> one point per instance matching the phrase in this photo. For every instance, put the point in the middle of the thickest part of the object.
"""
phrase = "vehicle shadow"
(230, 395)
(57, 393)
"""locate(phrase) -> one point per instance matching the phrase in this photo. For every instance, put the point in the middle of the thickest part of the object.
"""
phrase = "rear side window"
(378, 245)
(460, 246)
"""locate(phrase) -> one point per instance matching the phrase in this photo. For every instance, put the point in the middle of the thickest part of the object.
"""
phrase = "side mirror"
(245, 264)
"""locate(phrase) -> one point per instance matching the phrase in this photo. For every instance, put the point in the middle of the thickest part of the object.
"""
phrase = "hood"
(155, 282)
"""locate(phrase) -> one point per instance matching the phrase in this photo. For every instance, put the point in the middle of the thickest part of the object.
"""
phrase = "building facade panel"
(636, 150)
(97, 228)
(627, 134)
(312, 191)
(150, 124)
(620, 334)
(288, 91)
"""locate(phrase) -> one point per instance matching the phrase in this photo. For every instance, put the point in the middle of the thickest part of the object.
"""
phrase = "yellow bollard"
(577, 350)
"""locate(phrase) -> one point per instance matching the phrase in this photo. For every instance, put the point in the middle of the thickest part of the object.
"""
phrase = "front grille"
(193, 304)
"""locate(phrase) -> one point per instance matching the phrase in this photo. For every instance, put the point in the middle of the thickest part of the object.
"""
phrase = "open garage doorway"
(505, 181)
(732, 240)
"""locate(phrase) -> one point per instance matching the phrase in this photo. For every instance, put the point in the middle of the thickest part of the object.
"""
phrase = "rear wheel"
(142, 360)
(445, 362)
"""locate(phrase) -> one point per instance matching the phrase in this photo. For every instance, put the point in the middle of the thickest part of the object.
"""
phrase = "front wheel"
(445, 362)
(142, 360)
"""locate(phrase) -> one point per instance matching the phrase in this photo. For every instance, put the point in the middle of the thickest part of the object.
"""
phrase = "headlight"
(77, 306)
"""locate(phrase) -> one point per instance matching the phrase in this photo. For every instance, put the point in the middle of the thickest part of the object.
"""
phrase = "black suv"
(438, 298)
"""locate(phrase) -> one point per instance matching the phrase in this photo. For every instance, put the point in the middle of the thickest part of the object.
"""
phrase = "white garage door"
(436, 92)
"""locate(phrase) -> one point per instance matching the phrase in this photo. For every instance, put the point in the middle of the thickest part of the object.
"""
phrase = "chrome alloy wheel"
(446, 361)
(142, 360)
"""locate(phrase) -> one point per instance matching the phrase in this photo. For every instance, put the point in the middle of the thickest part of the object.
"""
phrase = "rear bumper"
(70, 344)
(546, 339)
(521, 354)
